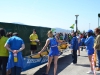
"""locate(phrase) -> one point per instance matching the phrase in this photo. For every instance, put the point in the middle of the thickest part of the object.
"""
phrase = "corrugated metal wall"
(24, 32)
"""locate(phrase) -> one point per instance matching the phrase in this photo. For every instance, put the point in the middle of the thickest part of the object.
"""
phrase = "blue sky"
(51, 13)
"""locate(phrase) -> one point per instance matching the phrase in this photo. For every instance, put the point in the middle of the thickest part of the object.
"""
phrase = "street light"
(76, 22)
(98, 19)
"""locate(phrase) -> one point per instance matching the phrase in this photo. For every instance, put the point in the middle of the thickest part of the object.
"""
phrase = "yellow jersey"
(33, 37)
(3, 50)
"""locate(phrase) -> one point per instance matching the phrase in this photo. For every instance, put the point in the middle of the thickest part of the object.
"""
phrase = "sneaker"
(90, 72)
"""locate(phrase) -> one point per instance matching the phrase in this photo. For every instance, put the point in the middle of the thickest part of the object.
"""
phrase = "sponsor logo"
(33, 60)
(41, 60)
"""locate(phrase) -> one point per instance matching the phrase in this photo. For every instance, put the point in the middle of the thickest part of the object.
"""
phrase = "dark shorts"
(33, 47)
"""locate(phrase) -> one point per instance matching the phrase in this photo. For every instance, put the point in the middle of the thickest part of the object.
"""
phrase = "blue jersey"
(74, 43)
(15, 43)
(89, 42)
(53, 47)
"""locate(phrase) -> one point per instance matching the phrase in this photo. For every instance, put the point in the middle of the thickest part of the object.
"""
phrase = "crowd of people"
(11, 46)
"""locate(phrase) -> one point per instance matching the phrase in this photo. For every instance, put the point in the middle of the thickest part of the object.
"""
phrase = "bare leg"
(79, 51)
(55, 64)
(90, 59)
(8, 72)
(32, 52)
(48, 64)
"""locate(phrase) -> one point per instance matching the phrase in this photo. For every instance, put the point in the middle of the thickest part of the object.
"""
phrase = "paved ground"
(64, 66)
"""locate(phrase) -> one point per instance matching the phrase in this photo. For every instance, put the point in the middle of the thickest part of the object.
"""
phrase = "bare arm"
(8, 47)
(45, 46)
(22, 48)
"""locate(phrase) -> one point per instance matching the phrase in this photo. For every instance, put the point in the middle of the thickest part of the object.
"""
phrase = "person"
(33, 41)
(74, 47)
(70, 37)
(82, 42)
(15, 45)
(97, 47)
(79, 43)
(3, 51)
(89, 42)
(9, 34)
(54, 52)
(61, 36)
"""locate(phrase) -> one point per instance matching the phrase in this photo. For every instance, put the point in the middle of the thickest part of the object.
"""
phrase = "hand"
(37, 40)
(69, 44)
(39, 52)
(15, 51)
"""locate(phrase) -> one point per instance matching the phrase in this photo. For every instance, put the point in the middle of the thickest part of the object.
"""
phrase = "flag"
(72, 27)
(53, 29)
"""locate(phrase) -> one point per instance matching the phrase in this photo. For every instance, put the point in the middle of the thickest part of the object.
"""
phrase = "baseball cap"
(90, 31)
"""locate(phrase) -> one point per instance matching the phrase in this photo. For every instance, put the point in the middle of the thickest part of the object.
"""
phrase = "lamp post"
(98, 19)
(76, 22)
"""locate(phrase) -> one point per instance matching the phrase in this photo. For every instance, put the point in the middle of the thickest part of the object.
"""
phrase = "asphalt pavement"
(65, 66)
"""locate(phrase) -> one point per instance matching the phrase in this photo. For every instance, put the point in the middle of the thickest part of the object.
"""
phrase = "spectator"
(70, 38)
(97, 46)
(61, 36)
(89, 42)
(74, 47)
(79, 43)
(83, 42)
(3, 51)
(9, 34)
(33, 41)
(15, 45)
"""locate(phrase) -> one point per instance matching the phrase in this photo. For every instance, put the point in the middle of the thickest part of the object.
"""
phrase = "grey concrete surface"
(65, 66)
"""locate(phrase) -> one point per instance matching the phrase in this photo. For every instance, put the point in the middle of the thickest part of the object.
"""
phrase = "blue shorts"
(54, 53)
(90, 52)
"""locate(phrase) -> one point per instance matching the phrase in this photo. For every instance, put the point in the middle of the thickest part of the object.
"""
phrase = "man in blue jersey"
(74, 47)
(15, 45)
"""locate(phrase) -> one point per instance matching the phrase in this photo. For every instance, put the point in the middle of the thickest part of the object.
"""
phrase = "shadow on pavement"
(98, 74)
(84, 65)
(63, 62)
(84, 56)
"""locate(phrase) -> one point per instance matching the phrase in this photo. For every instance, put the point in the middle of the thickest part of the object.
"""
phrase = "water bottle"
(15, 57)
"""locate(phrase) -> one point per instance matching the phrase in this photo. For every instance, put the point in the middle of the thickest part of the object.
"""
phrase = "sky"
(51, 13)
